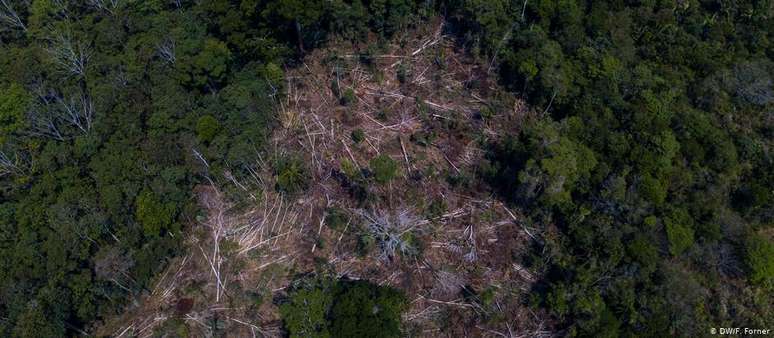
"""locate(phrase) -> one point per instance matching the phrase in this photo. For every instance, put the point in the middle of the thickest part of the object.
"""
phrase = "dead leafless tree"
(753, 83)
(217, 224)
(44, 123)
(53, 114)
(13, 164)
(61, 6)
(112, 265)
(7, 165)
(390, 230)
(201, 158)
(69, 55)
(78, 111)
(108, 6)
(449, 282)
(166, 50)
(9, 16)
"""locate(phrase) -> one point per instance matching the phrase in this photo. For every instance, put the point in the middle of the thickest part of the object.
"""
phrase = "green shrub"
(653, 190)
(349, 169)
(322, 307)
(423, 138)
(206, 128)
(384, 168)
(13, 102)
(363, 309)
(487, 112)
(305, 313)
(461, 179)
(336, 218)
(487, 297)
(358, 136)
(209, 65)
(436, 208)
(402, 73)
(759, 257)
(291, 175)
(348, 97)
(643, 252)
(383, 115)
(365, 244)
(154, 215)
(679, 231)
(273, 74)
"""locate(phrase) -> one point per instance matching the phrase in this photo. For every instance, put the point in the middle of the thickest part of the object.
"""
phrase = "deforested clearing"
(386, 147)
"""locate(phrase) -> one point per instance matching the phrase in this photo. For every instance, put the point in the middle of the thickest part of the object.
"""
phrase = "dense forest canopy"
(647, 172)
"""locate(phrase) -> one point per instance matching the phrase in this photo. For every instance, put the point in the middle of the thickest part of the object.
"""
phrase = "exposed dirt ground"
(427, 106)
